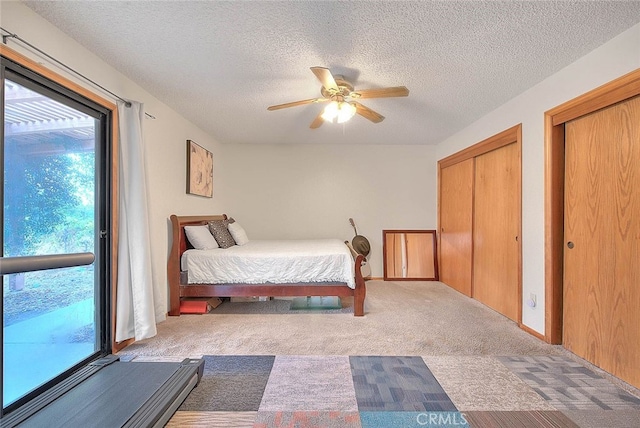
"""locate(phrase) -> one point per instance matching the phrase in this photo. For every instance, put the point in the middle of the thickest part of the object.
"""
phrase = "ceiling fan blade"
(396, 91)
(325, 77)
(367, 113)
(318, 121)
(297, 103)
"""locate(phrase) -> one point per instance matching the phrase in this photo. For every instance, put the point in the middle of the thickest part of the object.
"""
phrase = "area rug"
(281, 306)
(568, 385)
(317, 383)
(390, 391)
(231, 383)
(316, 303)
(331, 391)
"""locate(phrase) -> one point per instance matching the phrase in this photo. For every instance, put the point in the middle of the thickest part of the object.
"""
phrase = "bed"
(181, 284)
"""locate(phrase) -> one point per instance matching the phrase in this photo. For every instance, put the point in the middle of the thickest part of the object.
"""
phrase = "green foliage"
(48, 203)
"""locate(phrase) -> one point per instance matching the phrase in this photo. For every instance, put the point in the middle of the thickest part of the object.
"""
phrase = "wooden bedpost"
(360, 291)
(173, 269)
(179, 245)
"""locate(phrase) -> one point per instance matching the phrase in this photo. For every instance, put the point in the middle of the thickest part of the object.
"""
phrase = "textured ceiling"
(221, 64)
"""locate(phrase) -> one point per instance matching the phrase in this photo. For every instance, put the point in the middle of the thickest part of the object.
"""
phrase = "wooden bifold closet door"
(456, 223)
(496, 226)
(601, 310)
(480, 222)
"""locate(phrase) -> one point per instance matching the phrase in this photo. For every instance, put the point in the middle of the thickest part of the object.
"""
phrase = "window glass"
(51, 206)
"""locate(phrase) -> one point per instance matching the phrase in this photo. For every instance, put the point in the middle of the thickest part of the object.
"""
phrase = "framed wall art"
(199, 170)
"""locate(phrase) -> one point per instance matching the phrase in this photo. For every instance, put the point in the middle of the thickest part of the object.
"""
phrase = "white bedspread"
(258, 262)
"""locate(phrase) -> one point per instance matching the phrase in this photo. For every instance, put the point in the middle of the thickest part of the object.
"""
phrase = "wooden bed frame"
(177, 290)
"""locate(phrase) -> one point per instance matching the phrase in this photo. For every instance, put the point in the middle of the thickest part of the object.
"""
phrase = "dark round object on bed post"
(359, 242)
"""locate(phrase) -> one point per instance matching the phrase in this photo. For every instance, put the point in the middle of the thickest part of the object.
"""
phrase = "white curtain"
(135, 313)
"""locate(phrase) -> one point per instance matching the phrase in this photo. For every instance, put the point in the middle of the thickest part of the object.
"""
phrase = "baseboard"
(374, 278)
(119, 346)
(533, 332)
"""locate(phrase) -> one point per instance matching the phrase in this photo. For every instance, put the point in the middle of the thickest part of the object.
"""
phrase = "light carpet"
(401, 318)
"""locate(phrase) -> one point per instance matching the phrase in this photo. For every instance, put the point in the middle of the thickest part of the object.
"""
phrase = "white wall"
(165, 137)
(309, 191)
(617, 57)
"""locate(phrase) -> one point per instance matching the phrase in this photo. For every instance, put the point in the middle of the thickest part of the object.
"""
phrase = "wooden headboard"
(179, 245)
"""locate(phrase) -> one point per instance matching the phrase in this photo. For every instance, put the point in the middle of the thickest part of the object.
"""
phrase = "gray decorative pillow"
(220, 231)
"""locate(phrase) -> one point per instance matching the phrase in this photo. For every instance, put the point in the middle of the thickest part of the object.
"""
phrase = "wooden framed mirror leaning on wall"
(410, 255)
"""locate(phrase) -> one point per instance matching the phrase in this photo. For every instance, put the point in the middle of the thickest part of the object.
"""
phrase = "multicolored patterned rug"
(404, 391)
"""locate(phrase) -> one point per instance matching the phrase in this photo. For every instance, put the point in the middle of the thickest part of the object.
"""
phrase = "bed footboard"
(360, 292)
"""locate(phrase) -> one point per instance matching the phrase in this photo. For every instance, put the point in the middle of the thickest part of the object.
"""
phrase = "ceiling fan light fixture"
(346, 111)
(331, 111)
(340, 111)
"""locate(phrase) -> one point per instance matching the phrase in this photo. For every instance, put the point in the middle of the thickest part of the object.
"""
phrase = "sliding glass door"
(54, 233)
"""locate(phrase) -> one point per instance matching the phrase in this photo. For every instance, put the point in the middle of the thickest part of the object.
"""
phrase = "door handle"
(570, 245)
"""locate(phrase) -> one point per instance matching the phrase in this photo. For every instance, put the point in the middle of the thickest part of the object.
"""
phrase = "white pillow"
(200, 237)
(238, 233)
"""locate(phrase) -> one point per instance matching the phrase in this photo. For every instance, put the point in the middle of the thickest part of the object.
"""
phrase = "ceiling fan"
(342, 99)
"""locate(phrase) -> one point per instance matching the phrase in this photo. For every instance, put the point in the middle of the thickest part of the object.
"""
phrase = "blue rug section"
(386, 383)
(413, 420)
(232, 383)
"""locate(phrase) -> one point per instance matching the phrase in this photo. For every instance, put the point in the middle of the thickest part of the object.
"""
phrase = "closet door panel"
(456, 222)
(496, 229)
(601, 314)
